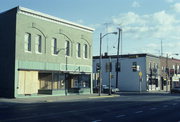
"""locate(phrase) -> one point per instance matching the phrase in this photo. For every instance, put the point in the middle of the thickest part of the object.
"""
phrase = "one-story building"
(137, 72)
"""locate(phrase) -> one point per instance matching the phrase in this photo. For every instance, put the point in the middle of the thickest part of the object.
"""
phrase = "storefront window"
(80, 81)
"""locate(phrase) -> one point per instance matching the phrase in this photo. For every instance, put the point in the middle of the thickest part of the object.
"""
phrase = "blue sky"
(144, 22)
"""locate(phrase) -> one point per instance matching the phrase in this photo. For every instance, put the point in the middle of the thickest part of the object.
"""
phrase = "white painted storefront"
(128, 80)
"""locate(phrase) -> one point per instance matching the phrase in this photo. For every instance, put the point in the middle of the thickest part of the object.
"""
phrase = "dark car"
(175, 89)
(106, 89)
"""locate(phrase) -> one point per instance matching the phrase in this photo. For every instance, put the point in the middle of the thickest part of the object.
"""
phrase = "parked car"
(175, 89)
(106, 89)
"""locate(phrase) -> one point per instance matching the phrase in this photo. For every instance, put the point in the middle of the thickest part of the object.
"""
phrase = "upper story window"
(27, 42)
(85, 51)
(173, 66)
(38, 44)
(150, 65)
(134, 66)
(54, 46)
(67, 47)
(78, 50)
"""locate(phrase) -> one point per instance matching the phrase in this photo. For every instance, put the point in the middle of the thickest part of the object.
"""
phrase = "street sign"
(140, 74)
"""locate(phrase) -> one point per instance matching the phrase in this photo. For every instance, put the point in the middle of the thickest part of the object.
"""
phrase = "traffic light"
(97, 67)
(118, 67)
(109, 67)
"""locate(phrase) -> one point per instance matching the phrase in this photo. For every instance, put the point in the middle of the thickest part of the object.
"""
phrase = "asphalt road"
(124, 108)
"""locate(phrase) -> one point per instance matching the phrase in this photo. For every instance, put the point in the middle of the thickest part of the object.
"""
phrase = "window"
(173, 66)
(27, 42)
(162, 69)
(78, 50)
(150, 65)
(85, 51)
(54, 46)
(67, 46)
(134, 66)
(38, 44)
(178, 69)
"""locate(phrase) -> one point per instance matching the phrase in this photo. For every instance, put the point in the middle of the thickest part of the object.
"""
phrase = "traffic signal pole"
(100, 61)
(117, 66)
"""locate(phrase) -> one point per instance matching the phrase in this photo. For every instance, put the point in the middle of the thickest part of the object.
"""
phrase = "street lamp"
(117, 64)
(167, 69)
(100, 59)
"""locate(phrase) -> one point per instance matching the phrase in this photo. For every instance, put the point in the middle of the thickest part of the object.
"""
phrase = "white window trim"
(84, 51)
(52, 46)
(66, 48)
(37, 44)
(26, 50)
(77, 51)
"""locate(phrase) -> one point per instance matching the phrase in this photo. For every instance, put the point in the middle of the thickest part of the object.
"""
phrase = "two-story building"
(170, 73)
(42, 54)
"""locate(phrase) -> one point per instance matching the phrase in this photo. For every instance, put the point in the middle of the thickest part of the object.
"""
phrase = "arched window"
(27, 42)
(67, 47)
(78, 50)
(38, 44)
(85, 51)
(54, 46)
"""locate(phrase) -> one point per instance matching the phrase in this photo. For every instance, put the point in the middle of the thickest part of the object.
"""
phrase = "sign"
(140, 74)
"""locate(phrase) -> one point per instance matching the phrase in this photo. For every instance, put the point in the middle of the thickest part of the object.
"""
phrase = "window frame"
(27, 42)
(67, 47)
(85, 51)
(78, 53)
(54, 47)
(38, 44)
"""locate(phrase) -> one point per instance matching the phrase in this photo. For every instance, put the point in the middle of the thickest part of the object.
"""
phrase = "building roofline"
(163, 57)
(127, 56)
(49, 17)
(26, 10)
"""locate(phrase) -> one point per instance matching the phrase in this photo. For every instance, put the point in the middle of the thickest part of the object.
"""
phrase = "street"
(123, 108)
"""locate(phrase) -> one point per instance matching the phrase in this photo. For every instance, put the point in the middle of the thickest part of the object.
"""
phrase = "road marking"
(103, 96)
(119, 116)
(137, 112)
(97, 121)
(153, 108)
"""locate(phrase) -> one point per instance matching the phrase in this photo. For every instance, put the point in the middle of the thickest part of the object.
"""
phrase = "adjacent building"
(136, 72)
(42, 54)
(170, 73)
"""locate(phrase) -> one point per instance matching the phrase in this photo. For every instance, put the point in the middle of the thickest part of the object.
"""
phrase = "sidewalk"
(71, 98)
(45, 98)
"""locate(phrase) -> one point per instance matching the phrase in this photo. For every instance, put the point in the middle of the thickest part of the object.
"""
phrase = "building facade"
(136, 72)
(170, 73)
(42, 54)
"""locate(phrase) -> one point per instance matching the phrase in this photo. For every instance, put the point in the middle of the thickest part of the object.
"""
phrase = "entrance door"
(28, 82)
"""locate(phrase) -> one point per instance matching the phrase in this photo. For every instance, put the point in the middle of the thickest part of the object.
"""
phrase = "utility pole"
(100, 60)
(117, 63)
(110, 68)
(100, 65)
(161, 49)
(167, 73)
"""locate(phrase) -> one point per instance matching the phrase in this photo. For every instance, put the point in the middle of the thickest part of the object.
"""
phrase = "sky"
(144, 23)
